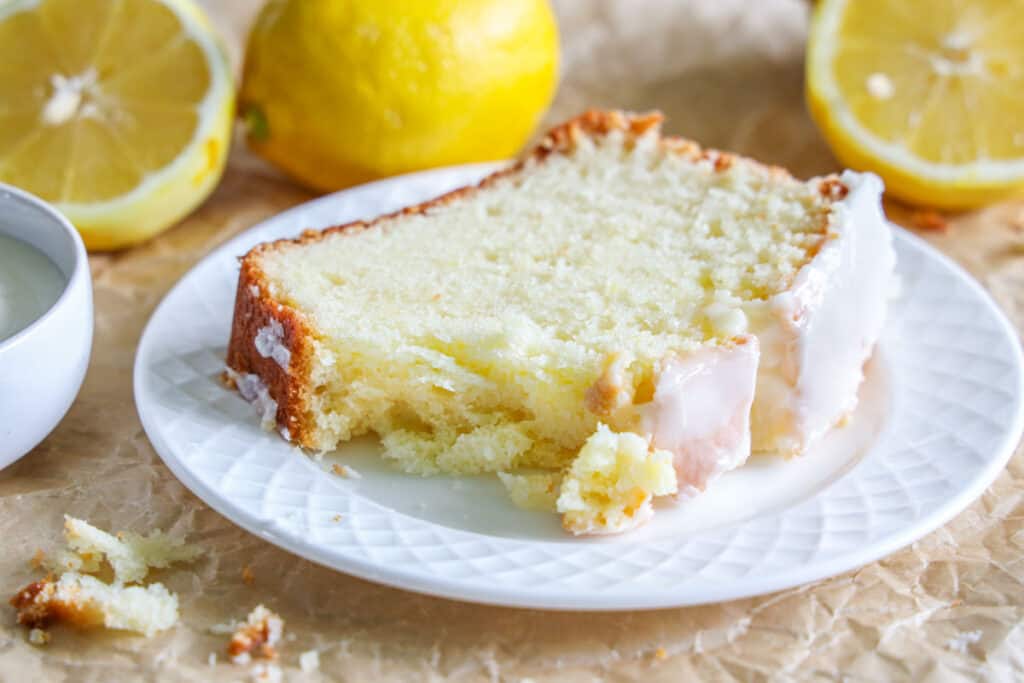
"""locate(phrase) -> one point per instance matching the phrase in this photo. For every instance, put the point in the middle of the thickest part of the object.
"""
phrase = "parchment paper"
(727, 73)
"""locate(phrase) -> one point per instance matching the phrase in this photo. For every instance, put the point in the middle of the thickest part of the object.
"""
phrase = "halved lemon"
(930, 95)
(118, 112)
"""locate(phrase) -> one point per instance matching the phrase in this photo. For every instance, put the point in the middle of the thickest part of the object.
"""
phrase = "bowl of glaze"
(45, 320)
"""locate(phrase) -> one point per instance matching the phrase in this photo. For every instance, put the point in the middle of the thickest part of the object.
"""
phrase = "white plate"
(941, 413)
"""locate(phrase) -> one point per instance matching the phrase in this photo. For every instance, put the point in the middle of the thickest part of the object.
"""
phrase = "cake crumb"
(267, 673)
(833, 188)
(224, 629)
(930, 220)
(309, 661)
(610, 486)
(38, 559)
(257, 636)
(533, 490)
(247, 576)
(84, 601)
(613, 388)
(38, 636)
(961, 642)
(130, 555)
(660, 654)
(70, 594)
(345, 471)
(336, 518)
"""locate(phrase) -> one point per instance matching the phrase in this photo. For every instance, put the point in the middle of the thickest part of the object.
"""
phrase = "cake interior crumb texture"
(466, 336)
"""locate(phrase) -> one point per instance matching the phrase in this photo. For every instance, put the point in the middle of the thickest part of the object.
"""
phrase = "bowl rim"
(78, 267)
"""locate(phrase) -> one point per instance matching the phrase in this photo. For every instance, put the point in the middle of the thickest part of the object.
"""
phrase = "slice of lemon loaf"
(614, 277)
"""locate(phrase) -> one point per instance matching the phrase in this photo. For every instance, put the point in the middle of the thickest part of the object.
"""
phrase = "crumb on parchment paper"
(929, 220)
(345, 471)
(265, 672)
(38, 636)
(962, 641)
(70, 594)
(130, 555)
(256, 636)
(309, 661)
(37, 559)
(84, 601)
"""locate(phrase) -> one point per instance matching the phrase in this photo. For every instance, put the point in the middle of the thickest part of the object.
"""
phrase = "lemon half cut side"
(928, 94)
(118, 112)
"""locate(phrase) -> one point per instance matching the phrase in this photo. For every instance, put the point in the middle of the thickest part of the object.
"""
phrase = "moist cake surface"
(614, 277)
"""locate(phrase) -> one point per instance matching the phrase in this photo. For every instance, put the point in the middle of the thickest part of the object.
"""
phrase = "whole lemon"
(339, 92)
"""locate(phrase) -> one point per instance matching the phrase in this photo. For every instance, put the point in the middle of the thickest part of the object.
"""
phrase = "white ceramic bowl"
(42, 366)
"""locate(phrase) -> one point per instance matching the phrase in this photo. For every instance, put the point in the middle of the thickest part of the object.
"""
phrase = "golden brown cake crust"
(255, 307)
(39, 606)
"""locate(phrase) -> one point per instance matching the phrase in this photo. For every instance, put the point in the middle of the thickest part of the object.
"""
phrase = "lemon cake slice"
(615, 279)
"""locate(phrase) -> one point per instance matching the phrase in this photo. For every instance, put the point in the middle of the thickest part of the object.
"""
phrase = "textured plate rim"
(446, 587)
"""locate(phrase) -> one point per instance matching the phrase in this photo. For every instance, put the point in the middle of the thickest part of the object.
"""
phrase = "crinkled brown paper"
(727, 73)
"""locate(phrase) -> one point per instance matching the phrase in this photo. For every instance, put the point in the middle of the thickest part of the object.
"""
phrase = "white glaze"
(30, 284)
(701, 411)
(269, 343)
(798, 376)
(816, 337)
(253, 390)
